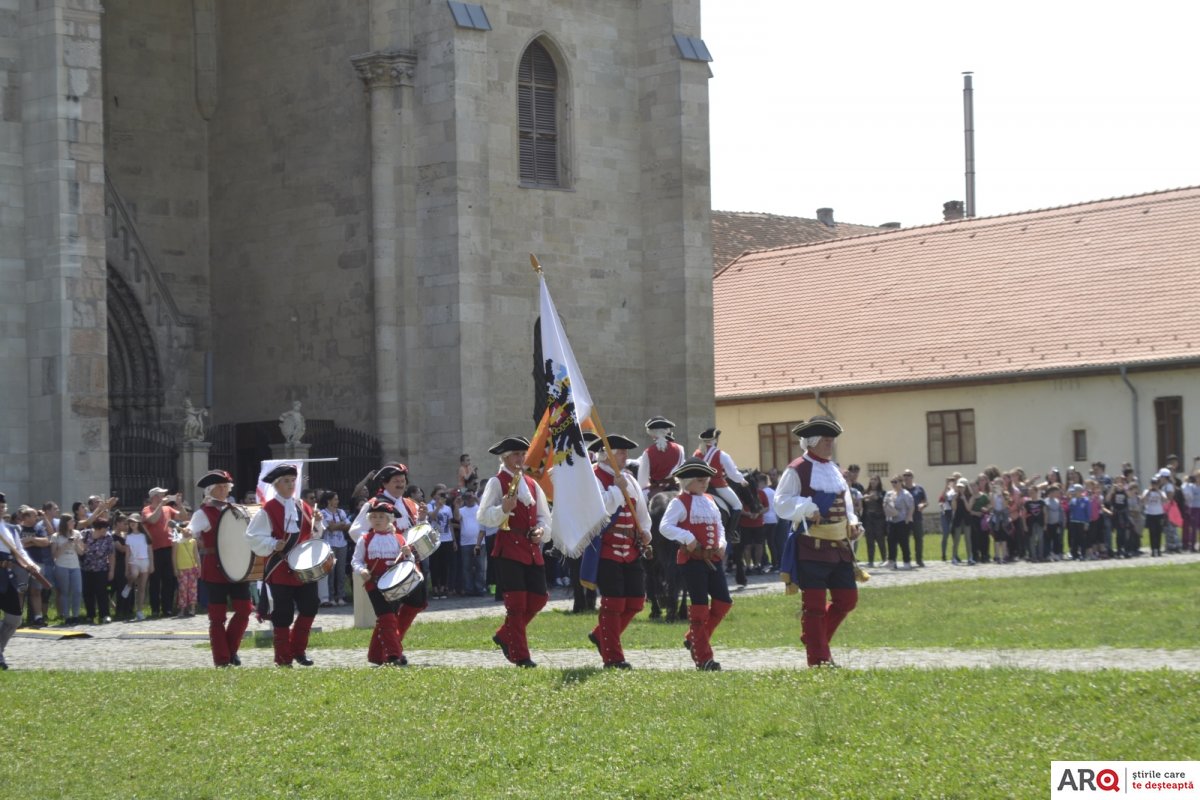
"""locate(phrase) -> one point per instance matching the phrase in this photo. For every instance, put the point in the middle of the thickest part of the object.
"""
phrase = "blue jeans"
(68, 582)
(474, 570)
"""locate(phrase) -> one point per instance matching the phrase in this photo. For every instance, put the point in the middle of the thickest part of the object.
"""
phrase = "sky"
(858, 106)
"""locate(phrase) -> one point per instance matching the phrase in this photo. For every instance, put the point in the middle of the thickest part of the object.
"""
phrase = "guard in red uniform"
(818, 556)
(280, 525)
(619, 575)
(393, 480)
(693, 520)
(659, 460)
(724, 472)
(374, 554)
(514, 503)
(225, 639)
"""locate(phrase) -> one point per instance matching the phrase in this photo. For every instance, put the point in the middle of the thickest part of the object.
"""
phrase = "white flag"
(578, 506)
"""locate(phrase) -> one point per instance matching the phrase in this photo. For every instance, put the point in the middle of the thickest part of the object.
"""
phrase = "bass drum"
(237, 560)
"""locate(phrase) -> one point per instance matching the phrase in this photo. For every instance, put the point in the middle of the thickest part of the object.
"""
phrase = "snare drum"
(399, 581)
(311, 560)
(423, 540)
(237, 560)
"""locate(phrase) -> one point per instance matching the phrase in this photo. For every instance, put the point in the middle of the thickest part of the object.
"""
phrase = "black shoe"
(709, 666)
(303, 660)
(395, 661)
(527, 663)
(235, 661)
(500, 642)
(592, 638)
(619, 665)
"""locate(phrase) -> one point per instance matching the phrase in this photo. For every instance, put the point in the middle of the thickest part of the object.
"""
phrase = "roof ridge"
(946, 226)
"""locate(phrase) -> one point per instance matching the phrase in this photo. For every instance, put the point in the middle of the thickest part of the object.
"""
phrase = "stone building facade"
(320, 200)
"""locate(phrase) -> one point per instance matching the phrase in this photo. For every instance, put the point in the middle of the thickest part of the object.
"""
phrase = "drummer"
(374, 554)
(514, 503)
(279, 526)
(393, 480)
(224, 639)
(620, 576)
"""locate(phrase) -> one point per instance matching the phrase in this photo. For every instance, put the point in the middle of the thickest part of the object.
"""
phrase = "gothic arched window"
(537, 118)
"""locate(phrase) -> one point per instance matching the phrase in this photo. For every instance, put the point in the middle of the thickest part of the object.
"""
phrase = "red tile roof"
(737, 232)
(1092, 285)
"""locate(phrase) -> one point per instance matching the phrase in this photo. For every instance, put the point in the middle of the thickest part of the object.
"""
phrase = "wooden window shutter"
(537, 117)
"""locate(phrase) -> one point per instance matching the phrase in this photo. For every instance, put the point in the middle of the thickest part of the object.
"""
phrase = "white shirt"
(469, 530)
(10, 541)
(826, 477)
(139, 545)
(704, 511)
(491, 515)
(769, 515)
(613, 498)
(731, 471)
(361, 524)
(383, 546)
(334, 515)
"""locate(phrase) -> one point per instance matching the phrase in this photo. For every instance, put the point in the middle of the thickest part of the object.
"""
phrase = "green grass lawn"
(466, 733)
(1143, 607)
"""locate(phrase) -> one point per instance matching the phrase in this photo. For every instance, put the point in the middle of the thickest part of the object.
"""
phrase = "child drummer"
(376, 551)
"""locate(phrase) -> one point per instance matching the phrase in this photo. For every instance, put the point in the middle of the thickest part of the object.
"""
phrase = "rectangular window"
(1079, 438)
(951, 437)
(879, 468)
(1168, 428)
(776, 446)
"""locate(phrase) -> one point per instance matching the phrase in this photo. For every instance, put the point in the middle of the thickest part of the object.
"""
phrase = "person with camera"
(157, 516)
(470, 545)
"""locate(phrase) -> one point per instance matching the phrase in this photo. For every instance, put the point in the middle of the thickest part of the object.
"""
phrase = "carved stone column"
(389, 77)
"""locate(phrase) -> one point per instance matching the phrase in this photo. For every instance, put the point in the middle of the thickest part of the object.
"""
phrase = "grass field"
(1143, 607)
(585, 733)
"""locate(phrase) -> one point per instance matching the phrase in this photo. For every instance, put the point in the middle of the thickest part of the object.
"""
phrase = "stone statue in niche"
(193, 421)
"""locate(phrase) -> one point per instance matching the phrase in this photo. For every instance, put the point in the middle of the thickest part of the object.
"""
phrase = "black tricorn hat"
(509, 444)
(817, 426)
(615, 440)
(213, 478)
(378, 506)
(693, 468)
(710, 433)
(281, 471)
(658, 423)
(389, 471)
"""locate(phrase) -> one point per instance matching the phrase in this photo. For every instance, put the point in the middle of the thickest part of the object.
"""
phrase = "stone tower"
(334, 202)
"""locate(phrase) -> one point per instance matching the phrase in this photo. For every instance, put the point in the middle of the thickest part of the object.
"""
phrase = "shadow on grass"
(577, 675)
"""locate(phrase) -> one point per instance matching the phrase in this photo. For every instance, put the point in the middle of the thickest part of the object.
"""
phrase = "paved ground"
(170, 644)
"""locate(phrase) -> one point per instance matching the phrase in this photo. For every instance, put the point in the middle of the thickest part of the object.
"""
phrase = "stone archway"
(135, 385)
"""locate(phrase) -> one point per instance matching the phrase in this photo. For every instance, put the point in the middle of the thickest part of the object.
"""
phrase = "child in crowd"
(187, 572)
(1054, 517)
(1000, 523)
(1191, 513)
(138, 565)
(1117, 501)
(1078, 514)
(1035, 523)
(1154, 501)
(1136, 518)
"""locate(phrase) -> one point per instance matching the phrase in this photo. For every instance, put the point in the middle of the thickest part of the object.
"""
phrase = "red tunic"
(707, 536)
(210, 564)
(663, 462)
(515, 543)
(619, 542)
(716, 481)
(283, 574)
(378, 566)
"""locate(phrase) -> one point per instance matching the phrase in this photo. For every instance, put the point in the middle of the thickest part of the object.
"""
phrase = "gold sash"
(830, 531)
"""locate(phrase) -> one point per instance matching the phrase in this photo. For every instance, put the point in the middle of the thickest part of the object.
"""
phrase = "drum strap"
(278, 558)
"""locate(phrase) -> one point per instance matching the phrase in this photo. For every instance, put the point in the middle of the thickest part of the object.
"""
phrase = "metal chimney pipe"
(969, 124)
